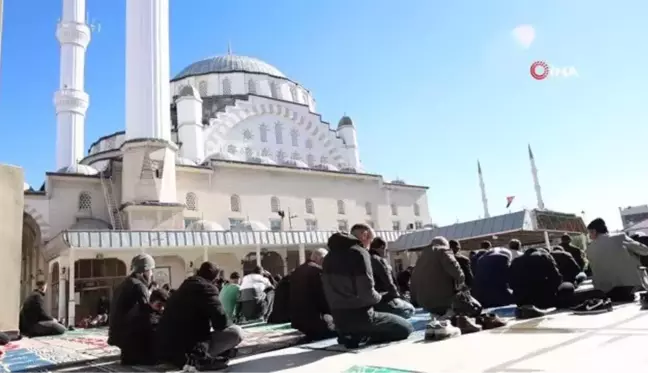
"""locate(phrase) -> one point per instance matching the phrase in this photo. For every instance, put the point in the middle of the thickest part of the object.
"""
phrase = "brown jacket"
(436, 278)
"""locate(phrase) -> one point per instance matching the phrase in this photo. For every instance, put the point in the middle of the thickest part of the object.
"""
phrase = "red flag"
(509, 201)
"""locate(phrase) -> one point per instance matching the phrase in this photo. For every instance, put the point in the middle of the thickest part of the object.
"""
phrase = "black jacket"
(566, 265)
(384, 280)
(491, 281)
(464, 263)
(139, 346)
(131, 293)
(33, 311)
(190, 313)
(281, 304)
(347, 275)
(577, 253)
(403, 281)
(307, 299)
(535, 272)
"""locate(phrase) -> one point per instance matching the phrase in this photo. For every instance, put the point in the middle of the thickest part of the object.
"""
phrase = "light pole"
(283, 214)
(1, 24)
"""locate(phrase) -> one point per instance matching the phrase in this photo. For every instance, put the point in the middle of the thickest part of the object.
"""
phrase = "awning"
(170, 239)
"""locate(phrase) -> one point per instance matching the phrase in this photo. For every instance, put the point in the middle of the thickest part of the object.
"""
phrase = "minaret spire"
(536, 181)
(229, 48)
(482, 187)
(71, 100)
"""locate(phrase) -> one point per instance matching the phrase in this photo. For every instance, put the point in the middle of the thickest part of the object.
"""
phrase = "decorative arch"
(243, 110)
(40, 221)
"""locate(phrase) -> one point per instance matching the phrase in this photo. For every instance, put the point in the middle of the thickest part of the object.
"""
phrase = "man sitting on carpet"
(132, 295)
(185, 329)
(140, 338)
(391, 301)
(229, 296)
(614, 259)
(309, 311)
(349, 288)
(35, 321)
(568, 267)
(256, 295)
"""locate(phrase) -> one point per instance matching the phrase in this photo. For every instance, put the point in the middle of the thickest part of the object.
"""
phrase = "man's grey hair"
(440, 242)
(318, 254)
(360, 228)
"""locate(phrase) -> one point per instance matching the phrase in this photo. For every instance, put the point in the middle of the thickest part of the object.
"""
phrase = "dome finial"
(229, 48)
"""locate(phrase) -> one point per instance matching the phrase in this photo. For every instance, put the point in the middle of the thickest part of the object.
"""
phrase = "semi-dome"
(229, 63)
(81, 169)
(295, 163)
(261, 160)
(222, 156)
(204, 225)
(26, 186)
(345, 121)
(326, 167)
(90, 224)
(182, 161)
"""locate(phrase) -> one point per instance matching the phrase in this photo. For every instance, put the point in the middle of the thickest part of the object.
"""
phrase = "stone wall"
(11, 216)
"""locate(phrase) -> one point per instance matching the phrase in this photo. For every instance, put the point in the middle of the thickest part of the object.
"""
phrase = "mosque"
(230, 162)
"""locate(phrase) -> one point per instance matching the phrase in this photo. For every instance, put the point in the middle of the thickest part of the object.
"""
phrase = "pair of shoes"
(490, 321)
(437, 330)
(205, 363)
(465, 324)
(643, 300)
(351, 342)
(528, 312)
(593, 307)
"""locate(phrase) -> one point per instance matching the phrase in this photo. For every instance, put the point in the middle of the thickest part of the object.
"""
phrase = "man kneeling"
(35, 321)
(349, 288)
(391, 301)
(184, 333)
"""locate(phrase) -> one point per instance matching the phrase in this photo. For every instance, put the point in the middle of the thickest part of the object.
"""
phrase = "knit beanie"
(142, 263)
(208, 271)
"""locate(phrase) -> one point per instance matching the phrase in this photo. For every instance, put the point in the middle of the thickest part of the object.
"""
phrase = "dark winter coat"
(567, 265)
(348, 282)
(141, 337)
(189, 315)
(384, 280)
(535, 272)
(436, 278)
(577, 253)
(307, 299)
(33, 311)
(281, 305)
(403, 281)
(491, 282)
(464, 263)
(131, 293)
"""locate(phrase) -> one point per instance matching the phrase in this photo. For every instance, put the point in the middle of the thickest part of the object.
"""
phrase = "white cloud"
(524, 35)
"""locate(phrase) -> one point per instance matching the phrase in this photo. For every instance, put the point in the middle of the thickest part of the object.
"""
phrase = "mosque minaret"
(71, 100)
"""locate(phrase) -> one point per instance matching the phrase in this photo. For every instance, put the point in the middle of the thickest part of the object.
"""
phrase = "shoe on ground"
(466, 325)
(528, 312)
(438, 330)
(490, 321)
(593, 307)
(205, 364)
(643, 300)
(350, 342)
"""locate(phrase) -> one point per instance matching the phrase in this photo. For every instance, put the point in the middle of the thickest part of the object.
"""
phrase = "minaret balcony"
(73, 33)
(71, 100)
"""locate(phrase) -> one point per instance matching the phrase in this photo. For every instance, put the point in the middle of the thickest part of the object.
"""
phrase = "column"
(302, 254)
(71, 310)
(62, 288)
(258, 255)
(205, 254)
(547, 240)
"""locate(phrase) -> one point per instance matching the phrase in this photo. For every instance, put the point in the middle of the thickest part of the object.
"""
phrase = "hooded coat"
(436, 278)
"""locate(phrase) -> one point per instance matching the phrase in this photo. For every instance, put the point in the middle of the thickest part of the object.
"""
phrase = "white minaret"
(482, 187)
(347, 132)
(71, 100)
(149, 197)
(536, 182)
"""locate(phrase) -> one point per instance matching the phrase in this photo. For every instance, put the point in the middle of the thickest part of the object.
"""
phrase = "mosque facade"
(229, 162)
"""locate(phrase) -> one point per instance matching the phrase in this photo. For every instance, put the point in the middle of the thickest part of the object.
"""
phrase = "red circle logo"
(539, 70)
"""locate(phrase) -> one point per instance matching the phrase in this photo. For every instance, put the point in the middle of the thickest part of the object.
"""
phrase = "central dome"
(228, 64)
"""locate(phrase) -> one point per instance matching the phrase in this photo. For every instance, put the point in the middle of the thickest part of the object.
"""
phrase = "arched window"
(394, 209)
(248, 153)
(295, 156)
(263, 132)
(417, 210)
(310, 159)
(274, 204)
(281, 156)
(293, 94)
(368, 209)
(265, 152)
(202, 88)
(278, 133)
(231, 149)
(323, 159)
(252, 86)
(85, 202)
(273, 90)
(309, 144)
(227, 86)
(235, 203)
(191, 201)
(310, 207)
(340, 206)
(294, 136)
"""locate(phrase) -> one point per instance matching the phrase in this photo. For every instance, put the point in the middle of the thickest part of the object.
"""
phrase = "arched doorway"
(270, 261)
(93, 279)
(31, 256)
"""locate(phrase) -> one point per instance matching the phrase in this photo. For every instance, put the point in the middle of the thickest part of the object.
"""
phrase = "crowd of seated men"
(349, 291)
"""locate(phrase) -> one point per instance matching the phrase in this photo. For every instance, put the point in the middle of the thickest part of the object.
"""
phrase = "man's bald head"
(317, 256)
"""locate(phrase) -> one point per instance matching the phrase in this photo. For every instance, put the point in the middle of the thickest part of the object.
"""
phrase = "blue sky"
(431, 85)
